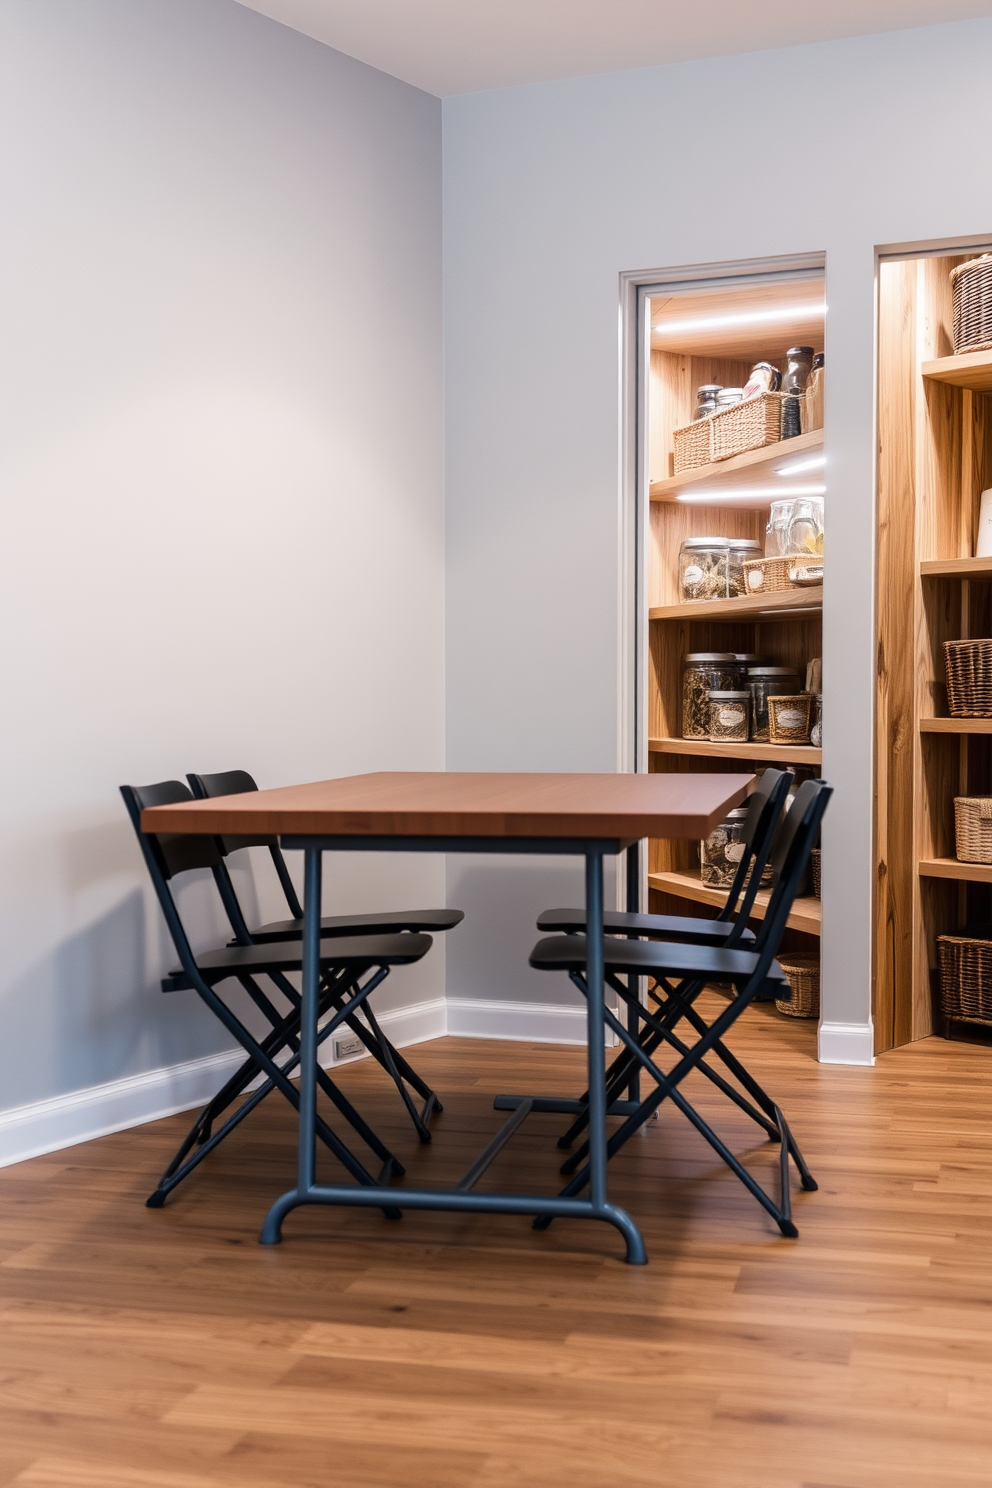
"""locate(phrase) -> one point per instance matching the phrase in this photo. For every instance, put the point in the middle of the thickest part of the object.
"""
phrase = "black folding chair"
(351, 970)
(426, 921)
(680, 972)
(730, 927)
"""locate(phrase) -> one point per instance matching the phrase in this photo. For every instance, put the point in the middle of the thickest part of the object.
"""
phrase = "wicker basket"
(965, 978)
(803, 971)
(971, 285)
(968, 669)
(788, 718)
(769, 575)
(973, 829)
(693, 445)
(815, 868)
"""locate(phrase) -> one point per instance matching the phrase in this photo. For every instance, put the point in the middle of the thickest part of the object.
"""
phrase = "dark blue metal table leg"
(307, 1157)
(633, 865)
(595, 981)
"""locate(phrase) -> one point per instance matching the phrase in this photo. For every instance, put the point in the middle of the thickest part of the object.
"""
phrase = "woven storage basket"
(815, 867)
(693, 445)
(973, 829)
(971, 285)
(803, 971)
(965, 978)
(746, 426)
(768, 575)
(968, 669)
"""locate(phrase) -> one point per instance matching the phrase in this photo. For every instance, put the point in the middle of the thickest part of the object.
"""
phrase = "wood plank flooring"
(167, 1349)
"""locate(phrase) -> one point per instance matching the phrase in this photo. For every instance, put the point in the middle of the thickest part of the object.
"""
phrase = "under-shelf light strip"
(748, 317)
(754, 493)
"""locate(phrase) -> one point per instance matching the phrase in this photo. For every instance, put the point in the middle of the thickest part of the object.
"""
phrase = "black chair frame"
(344, 990)
(385, 1053)
(680, 973)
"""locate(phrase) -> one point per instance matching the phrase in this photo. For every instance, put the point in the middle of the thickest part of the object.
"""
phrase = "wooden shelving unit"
(935, 458)
(729, 498)
(756, 469)
(805, 914)
(803, 601)
(954, 869)
(771, 754)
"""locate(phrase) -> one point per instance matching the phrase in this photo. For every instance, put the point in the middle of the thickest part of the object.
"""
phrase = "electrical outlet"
(348, 1046)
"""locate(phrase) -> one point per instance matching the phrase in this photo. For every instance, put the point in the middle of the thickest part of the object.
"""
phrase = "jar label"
(731, 717)
(791, 718)
(755, 578)
(693, 575)
(734, 851)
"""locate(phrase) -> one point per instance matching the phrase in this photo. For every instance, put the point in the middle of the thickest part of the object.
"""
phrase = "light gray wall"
(550, 193)
(220, 476)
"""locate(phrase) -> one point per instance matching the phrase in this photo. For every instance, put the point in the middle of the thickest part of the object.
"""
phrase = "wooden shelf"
(956, 725)
(805, 912)
(798, 754)
(951, 868)
(957, 568)
(782, 605)
(756, 468)
(973, 370)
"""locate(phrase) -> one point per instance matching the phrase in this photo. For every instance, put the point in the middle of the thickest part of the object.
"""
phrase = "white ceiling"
(462, 46)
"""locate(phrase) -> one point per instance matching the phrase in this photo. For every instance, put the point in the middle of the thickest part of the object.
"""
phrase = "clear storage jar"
(721, 852)
(713, 567)
(704, 672)
(729, 717)
(763, 682)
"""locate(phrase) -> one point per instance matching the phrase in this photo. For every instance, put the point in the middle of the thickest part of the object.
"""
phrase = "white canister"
(983, 542)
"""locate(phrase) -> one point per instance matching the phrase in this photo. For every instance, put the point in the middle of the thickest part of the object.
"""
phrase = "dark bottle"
(794, 379)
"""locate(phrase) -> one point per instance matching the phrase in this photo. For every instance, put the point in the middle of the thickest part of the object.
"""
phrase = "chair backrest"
(238, 783)
(168, 854)
(763, 812)
(790, 855)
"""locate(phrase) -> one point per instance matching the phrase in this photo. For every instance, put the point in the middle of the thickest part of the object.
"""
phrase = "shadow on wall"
(91, 1012)
(502, 898)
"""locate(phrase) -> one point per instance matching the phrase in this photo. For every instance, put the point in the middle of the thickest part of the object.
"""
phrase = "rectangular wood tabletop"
(450, 804)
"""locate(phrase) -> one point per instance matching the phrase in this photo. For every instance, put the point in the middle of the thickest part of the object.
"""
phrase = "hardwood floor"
(167, 1349)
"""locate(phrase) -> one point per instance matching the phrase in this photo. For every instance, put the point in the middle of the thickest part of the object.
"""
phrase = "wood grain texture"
(805, 914)
(784, 605)
(426, 803)
(768, 753)
(758, 468)
(955, 869)
(167, 1349)
(973, 371)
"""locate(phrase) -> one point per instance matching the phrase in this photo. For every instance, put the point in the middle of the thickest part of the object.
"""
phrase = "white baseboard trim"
(65, 1120)
(530, 1022)
(846, 1043)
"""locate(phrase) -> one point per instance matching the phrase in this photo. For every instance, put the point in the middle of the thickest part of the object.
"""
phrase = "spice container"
(794, 381)
(816, 732)
(764, 379)
(720, 853)
(729, 717)
(762, 682)
(704, 672)
(706, 399)
(788, 718)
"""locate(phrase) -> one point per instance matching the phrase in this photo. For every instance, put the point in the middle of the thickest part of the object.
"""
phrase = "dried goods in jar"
(704, 672)
(729, 716)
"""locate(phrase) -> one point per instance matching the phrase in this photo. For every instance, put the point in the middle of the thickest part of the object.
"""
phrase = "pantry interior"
(748, 598)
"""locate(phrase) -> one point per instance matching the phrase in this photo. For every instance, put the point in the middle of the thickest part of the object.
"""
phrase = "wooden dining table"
(589, 816)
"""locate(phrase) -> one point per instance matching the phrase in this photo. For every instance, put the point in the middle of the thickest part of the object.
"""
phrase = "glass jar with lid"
(706, 400)
(745, 660)
(729, 716)
(765, 682)
(713, 567)
(704, 672)
(805, 537)
(721, 852)
(728, 397)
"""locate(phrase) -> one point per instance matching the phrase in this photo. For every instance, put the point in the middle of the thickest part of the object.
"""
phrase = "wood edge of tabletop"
(247, 815)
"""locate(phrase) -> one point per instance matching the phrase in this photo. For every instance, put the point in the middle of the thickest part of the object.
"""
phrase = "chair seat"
(654, 927)
(255, 960)
(428, 920)
(652, 958)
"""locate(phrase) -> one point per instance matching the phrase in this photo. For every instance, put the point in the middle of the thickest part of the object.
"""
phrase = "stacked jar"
(713, 567)
(704, 672)
(765, 682)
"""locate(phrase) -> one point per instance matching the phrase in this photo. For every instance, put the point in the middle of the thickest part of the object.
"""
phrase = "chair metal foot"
(155, 1200)
(788, 1229)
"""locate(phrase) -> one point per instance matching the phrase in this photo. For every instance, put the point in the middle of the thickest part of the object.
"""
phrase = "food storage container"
(706, 399)
(720, 853)
(729, 716)
(704, 672)
(788, 718)
(762, 682)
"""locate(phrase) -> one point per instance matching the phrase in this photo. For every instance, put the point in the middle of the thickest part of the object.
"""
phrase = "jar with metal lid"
(741, 549)
(744, 661)
(764, 378)
(721, 852)
(706, 400)
(729, 716)
(763, 683)
(794, 379)
(727, 397)
(704, 564)
(704, 672)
